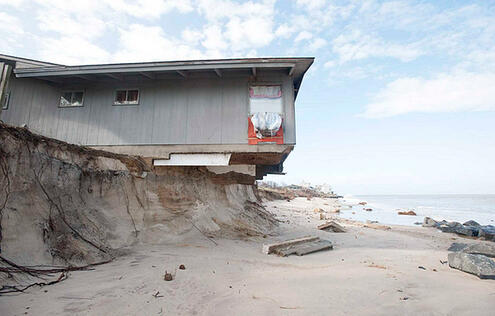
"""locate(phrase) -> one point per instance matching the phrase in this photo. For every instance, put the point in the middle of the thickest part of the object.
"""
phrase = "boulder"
(318, 210)
(471, 223)
(456, 246)
(470, 231)
(479, 265)
(487, 232)
(480, 249)
(410, 213)
(450, 227)
(429, 222)
(445, 228)
(454, 224)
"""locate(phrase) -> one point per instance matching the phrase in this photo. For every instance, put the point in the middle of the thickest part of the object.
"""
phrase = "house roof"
(20, 62)
(295, 66)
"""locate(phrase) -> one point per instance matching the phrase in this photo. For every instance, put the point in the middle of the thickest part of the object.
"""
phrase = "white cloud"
(252, 32)
(330, 64)
(72, 50)
(192, 36)
(149, 43)
(10, 24)
(10, 32)
(149, 8)
(304, 35)
(357, 45)
(215, 10)
(284, 31)
(311, 4)
(316, 44)
(14, 3)
(214, 39)
(444, 93)
(71, 24)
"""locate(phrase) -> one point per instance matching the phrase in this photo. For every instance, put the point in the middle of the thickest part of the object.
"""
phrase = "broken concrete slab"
(332, 226)
(299, 246)
(479, 265)
(271, 248)
(306, 248)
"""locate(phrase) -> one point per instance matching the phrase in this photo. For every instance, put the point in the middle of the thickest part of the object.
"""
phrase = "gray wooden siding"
(188, 111)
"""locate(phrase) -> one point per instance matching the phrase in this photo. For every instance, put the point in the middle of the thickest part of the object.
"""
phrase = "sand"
(369, 272)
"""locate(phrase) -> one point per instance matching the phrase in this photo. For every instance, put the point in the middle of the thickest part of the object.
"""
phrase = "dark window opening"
(125, 97)
(72, 98)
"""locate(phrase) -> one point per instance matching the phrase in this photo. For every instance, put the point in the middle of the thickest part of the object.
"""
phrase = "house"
(229, 115)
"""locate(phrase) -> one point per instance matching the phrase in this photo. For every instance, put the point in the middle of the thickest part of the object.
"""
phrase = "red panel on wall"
(253, 140)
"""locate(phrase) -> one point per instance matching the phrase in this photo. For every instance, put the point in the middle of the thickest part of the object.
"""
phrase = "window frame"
(127, 95)
(6, 101)
(72, 95)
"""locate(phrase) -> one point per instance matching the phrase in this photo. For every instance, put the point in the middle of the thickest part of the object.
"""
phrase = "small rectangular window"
(126, 97)
(71, 99)
(6, 100)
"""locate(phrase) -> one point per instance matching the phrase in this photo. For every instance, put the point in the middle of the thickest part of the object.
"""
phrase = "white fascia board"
(194, 160)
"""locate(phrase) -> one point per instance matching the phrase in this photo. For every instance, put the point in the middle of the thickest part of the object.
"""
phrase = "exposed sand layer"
(66, 204)
(369, 272)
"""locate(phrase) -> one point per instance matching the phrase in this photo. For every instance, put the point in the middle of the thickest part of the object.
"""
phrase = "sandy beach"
(370, 271)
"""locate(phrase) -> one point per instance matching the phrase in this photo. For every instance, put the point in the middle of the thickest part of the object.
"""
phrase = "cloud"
(317, 43)
(13, 3)
(443, 93)
(233, 27)
(330, 64)
(149, 43)
(311, 4)
(10, 31)
(285, 31)
(65, 23)
(358, 45)
(304, 35)
(72, 50)
(152, 9)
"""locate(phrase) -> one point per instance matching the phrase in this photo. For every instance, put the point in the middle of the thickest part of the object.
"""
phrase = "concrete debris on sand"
(299, 246)
(332, 226)
(469, 228)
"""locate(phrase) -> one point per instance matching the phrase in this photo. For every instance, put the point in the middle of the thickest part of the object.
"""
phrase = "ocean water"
(451, 207)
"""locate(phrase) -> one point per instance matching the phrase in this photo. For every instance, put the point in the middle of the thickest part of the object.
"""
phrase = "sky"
(400, 99)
